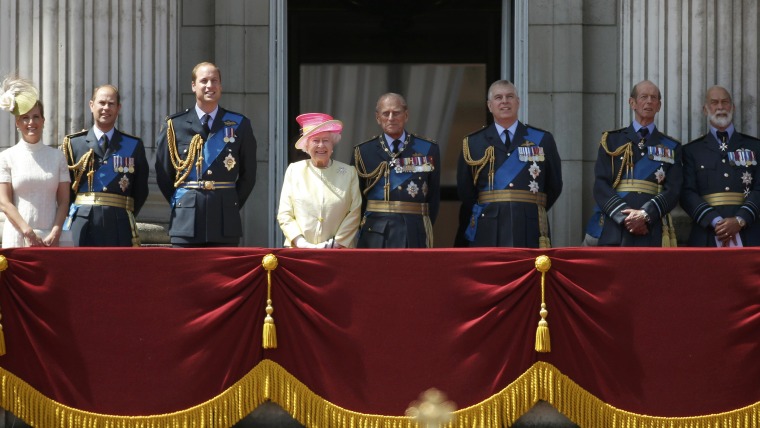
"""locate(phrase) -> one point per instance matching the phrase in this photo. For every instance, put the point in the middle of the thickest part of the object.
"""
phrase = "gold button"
(320, 219)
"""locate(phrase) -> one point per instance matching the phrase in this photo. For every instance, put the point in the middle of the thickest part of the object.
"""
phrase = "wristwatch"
(646, 217)
(741, 222)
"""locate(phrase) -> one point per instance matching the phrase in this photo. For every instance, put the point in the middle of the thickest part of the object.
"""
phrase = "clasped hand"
(726, 230)
(636, 221)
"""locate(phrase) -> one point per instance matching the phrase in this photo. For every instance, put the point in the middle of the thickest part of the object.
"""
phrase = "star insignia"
(747, 178)
(229, 162)
(534, 170)
(124, 183)
(660, 175)
(412, 189)
(533, 186)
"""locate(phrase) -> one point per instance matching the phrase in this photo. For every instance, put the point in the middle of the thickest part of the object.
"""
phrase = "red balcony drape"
(138, 332)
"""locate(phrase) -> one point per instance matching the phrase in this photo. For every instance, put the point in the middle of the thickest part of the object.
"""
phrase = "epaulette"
(130, 136)
(536, 128)
(749, 137)
(668, 137)
(422, 137)
(477, 131)
(77, 134)
(617, 130)
(179, 113)
(368, 141)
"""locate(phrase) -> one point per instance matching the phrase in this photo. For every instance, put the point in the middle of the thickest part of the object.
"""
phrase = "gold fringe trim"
(268, 381)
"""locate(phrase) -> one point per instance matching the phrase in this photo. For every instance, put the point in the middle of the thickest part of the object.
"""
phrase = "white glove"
(327, 244)
(300, 242)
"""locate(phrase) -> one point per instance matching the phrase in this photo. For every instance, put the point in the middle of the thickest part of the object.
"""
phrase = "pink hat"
(314, 123)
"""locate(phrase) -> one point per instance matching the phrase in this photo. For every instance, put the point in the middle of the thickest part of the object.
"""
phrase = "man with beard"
(720, 189)
(638, 178)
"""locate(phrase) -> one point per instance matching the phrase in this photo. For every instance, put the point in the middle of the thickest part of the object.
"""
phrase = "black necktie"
(644, 132)
(104, 143)
(395, 145)
(204, 122)
(722, 136)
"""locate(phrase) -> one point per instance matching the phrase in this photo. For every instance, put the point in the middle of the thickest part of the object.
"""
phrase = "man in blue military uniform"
(109, 176)
(638, 177)
(206, 166)
(721, 191)
(399, 175)
(508, 176)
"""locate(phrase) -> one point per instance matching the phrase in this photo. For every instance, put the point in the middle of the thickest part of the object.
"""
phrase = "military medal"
(661, 153)
(723, 147)
(641, 145)
(229, 135)
(132, 165)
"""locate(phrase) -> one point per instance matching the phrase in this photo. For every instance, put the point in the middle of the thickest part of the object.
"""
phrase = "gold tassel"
(269, 339)
(3, 266)
(543, 340)
(665, 233)
(673, 236)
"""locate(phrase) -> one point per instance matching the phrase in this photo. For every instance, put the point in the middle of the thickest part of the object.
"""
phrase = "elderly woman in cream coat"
(320, 203)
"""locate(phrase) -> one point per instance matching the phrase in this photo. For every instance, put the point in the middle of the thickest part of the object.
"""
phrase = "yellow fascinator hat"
(18, 95)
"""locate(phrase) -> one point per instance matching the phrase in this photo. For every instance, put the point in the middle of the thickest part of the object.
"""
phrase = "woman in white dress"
(34, 178)
(320, 203)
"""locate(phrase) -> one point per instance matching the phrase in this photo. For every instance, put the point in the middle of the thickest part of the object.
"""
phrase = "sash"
(397, 178)
(504, 175)
(104, 175)
(215, 143)
(641, 170)
(213, 146)
(107, 172)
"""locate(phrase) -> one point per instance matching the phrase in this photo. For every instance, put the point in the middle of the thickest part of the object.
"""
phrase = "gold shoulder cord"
(195, 152)
(86, 162)
(488, 157)
(627, 163)
(374, 176)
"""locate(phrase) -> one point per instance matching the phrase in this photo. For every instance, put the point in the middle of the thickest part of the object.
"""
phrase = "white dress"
(320, 203)
(34, 171)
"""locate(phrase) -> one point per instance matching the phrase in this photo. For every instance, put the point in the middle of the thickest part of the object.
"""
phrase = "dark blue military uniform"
(509, 211)
(206, 202)
(105, 204)
(401, 195)
(721, 183)
(653, 185)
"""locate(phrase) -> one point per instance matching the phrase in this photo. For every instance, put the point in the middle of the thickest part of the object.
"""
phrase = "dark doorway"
(440, 54)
